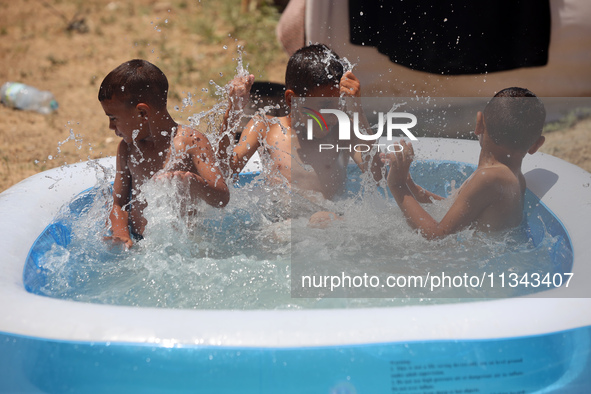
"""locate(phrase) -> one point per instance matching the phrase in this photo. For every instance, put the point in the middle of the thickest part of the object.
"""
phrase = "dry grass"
(192, 42)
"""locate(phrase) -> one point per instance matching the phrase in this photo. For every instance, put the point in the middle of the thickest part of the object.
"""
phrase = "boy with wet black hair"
(312, 71)
(514, 118)
(134, 97)
(492, 198)
(312, 66)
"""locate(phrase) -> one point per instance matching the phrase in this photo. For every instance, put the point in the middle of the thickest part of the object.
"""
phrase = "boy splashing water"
(492, 198)
(134, 97)
(313, 71)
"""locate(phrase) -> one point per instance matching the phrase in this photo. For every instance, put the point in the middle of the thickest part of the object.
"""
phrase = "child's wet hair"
(136, 81)
(514, 118)
(311, 67)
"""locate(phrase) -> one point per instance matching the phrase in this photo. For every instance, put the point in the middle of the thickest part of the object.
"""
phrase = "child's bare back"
(294, 160)
(492, 198)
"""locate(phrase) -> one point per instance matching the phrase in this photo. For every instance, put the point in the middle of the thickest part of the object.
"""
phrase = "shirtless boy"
(134, 97)
(313, 71)
(492, 198)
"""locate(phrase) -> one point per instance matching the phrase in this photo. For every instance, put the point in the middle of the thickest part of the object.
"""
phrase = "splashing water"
(242, 257)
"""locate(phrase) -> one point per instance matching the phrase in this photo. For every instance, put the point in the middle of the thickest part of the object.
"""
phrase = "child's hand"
(181, 180)
(350, 86)
(122, 239)
(239, 91)
(323, 219)
(168, 175)
(399, 164)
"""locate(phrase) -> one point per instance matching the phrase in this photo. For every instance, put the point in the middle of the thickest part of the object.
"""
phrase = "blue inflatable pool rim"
(438, 176)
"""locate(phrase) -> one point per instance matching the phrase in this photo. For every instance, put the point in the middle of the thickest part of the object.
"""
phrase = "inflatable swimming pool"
(538, 343)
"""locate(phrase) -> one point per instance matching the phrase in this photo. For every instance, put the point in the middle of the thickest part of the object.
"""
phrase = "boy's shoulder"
(188, 135)
(279, 124)
(496, 172)
(269, 126)
(123, 150)
(268, 121)
(489, 179)
(122, 147)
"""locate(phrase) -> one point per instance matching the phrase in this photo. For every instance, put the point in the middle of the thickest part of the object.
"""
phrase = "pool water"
(246, 256)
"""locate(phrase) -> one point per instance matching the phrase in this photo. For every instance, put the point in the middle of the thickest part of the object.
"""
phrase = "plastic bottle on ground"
(20, 96)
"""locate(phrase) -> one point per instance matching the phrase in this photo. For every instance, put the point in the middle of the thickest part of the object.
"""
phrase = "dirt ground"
(572, 144)
(191, 41)
(68, 46)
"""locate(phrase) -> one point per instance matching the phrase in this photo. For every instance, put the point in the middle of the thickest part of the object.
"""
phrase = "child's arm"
(119, 217)
(422, 195)
(350, 87)
(239, 94)
(476, 195)
(207, 183)
(254, 132)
